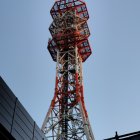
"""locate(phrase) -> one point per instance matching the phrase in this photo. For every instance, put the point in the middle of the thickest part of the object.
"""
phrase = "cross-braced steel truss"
(67, 118)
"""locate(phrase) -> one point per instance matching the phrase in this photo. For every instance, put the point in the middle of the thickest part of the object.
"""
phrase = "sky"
(111, 74)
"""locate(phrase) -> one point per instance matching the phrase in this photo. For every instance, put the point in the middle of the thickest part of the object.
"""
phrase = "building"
(129, 136)
(15, 121)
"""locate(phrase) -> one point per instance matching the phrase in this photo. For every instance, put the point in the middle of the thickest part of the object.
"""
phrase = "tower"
(67, 118)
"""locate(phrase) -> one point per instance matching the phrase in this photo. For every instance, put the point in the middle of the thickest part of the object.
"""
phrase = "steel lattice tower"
(67, 118)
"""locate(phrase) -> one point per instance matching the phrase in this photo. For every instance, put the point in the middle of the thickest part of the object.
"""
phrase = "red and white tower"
(67, 118)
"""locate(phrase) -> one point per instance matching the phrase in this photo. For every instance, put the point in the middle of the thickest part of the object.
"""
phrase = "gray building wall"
(15, 118)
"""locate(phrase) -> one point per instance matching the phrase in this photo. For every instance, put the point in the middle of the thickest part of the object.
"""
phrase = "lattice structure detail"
(67, 118)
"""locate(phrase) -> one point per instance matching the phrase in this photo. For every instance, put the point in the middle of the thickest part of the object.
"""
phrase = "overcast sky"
(111, 74)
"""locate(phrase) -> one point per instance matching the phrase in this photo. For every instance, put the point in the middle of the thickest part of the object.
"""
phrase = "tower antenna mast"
(67, 118)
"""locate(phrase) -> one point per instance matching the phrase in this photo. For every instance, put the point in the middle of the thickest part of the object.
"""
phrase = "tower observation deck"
(67, 118)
